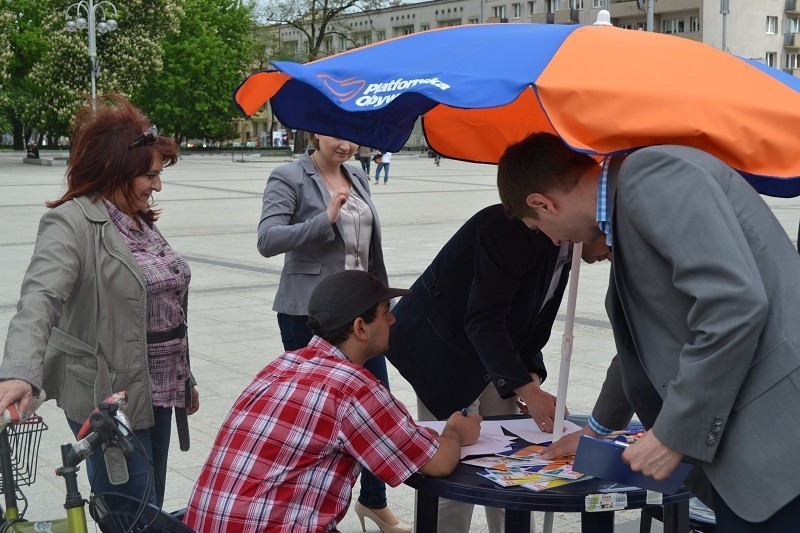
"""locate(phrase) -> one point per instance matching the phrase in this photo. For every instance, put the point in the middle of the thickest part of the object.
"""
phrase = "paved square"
(211, 206)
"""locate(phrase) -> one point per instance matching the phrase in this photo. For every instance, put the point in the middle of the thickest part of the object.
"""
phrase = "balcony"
(543, 18)
(791, 40)
(793, 71)
(566, 16)
(791, 7)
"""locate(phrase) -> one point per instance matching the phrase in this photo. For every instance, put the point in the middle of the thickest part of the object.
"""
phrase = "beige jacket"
(80, 331)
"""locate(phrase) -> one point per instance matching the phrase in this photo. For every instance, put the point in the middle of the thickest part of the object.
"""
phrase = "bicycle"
(106, 426)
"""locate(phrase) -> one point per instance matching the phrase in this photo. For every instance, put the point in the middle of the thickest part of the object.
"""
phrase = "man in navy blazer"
(703, 299)
(476, 321)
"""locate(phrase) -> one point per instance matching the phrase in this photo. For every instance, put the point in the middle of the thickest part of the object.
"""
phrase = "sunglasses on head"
(148, 137)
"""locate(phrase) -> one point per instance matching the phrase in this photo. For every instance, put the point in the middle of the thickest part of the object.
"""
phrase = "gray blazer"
(294, 222)
(63, 338)
(704, 299)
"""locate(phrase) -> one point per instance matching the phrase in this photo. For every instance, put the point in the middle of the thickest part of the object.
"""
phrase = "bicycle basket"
(24, 439)
(115, 513)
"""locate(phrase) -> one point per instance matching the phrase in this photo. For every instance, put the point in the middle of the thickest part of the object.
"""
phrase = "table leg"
(676, 517)
(518, 521)
(427, 512)
(597, 522)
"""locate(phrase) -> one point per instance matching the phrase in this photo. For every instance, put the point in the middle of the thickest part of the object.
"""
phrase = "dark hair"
(101, 162)
(541, 162)
(339, 336)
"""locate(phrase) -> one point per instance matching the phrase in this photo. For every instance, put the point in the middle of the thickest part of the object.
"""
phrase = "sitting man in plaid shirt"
(294, 442)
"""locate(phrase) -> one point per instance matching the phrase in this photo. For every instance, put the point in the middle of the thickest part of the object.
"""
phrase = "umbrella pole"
(566, 357)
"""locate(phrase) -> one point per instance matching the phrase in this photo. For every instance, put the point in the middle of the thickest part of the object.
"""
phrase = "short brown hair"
(541, 162)
(101, 162)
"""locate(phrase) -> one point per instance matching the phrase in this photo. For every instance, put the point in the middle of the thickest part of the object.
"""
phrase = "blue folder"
(603, 459)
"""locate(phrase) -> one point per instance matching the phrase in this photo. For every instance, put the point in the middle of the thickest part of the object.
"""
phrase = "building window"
(472, 21)
(694, 23)
(499, 12)
(792, 25)
(598, 3)
(380, 35)
(556, 5)
(577, 4)
(673, 26)
(791, 61)
(771, 59)
(772, 25)
(424, 27)
(517, 10)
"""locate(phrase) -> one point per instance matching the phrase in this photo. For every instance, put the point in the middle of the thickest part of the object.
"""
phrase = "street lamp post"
(83, 15)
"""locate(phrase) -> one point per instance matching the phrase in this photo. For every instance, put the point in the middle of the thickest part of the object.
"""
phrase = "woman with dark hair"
(318, 212)
(103, 302)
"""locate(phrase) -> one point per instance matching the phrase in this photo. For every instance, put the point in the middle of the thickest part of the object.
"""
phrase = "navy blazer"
(477, 314)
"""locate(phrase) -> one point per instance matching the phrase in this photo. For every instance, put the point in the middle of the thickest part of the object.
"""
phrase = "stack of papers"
(527, 469)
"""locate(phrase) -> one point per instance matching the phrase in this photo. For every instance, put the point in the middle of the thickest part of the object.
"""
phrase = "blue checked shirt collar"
(603, 211)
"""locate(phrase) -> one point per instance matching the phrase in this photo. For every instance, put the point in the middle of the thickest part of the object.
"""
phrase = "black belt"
(178, 332)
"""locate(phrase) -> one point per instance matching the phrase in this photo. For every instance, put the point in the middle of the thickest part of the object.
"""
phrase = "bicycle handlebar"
(107, 424)
(12, 414)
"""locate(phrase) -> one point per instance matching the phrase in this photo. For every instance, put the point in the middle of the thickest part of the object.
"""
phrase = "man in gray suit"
(703, 299)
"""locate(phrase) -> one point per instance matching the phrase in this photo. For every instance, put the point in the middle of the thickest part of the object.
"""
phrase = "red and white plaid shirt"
(288, 453)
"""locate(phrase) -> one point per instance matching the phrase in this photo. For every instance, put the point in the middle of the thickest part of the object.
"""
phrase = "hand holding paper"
(648, 456)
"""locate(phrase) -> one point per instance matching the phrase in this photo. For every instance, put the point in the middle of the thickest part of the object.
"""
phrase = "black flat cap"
(343, 296)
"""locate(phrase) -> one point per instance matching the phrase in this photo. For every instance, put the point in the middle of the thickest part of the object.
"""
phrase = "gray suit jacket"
(704, 299)
(294, 221)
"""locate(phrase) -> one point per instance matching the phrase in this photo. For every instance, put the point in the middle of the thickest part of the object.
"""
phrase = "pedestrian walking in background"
(364, 155)
(383, 163)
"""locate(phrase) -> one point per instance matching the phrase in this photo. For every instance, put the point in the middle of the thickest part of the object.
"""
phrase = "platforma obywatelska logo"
(375, 94)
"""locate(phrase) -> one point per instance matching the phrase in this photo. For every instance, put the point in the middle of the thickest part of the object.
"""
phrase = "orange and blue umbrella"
(604, 90)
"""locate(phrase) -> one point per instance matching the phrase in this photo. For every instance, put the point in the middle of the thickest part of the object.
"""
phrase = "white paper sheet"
(493, 440)
(487, 444)
(526, 428)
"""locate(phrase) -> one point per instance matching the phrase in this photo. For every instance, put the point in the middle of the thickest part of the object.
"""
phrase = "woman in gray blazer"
(318, 212)
(103, 303)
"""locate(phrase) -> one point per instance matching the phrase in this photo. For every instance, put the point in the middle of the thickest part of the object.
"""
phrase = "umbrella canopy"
(604, 90)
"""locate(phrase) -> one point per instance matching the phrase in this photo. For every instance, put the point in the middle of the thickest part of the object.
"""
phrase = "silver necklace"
(356, 225)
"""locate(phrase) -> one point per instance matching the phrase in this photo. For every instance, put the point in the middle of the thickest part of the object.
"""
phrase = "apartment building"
(373, 26)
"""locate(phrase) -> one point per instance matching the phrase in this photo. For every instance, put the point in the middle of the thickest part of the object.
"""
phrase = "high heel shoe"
(362, 511)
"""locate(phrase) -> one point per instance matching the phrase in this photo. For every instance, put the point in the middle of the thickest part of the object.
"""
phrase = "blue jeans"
(385, 167)
(295, 334)
(155, 441)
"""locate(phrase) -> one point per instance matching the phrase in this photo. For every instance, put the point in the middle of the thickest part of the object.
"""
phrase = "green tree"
(317, 20)
(24, 39)
(6, 54)
(128, 57)
(204, 60)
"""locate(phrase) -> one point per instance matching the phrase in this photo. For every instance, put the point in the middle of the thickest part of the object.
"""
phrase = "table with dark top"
(465, 485)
